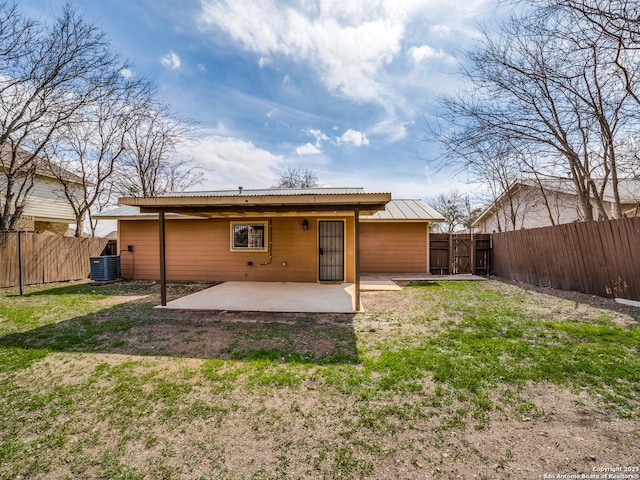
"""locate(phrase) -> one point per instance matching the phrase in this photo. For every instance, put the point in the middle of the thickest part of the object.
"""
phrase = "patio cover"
(269, 202)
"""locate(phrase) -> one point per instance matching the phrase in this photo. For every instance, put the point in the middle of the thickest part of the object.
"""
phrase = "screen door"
(331, 251)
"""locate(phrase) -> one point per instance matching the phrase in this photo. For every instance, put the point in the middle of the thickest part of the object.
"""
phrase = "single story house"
(532, 204)
(292, 235)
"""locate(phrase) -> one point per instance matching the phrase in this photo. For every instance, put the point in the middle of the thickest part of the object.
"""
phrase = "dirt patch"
(572, 435)
(144, 402)
(120, 299)
(225, 334)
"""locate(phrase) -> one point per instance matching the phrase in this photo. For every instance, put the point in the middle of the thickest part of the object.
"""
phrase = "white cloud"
(347, 42)
(230, 162)
(393, 129)
(126, 73)
(353, 137)
(202, 67)
(264, 61)
(313, 148)
(351, 46)
(308, 149)
(421, 184)
(425, 52)
(171, 60)
(440, 31)
(319, 135)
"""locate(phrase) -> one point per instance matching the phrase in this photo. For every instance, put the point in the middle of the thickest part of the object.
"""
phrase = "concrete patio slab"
(271, 297)
(378, 286)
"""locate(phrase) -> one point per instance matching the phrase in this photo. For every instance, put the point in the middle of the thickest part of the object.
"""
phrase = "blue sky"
(341, 87)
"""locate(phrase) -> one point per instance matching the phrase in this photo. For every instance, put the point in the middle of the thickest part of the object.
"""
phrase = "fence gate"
(459, 253)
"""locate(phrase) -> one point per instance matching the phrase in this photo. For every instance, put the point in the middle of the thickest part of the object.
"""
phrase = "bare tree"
(551, 94)
(613, 23)
(91, 145)
(612, 31)
(151, 164)
(64, 98)
(296, 177)
(47, 74)
(499, 168)
(17, 165)
(459, 210)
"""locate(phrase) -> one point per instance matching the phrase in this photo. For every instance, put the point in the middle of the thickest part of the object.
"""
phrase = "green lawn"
(96, 384)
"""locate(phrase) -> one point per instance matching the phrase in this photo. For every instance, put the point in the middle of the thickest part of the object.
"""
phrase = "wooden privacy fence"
(602, 258)
(45, 258)
(459, 253)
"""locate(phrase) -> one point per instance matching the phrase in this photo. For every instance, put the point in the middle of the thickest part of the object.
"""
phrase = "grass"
(95, 384)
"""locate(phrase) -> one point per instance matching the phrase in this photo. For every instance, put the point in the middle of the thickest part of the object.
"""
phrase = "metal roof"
(263, 192)
(273, 201)
(128, 211)
(396, 210)
(407, 210)
(123, 211)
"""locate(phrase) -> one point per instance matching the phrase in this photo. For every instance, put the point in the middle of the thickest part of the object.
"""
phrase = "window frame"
(265, 236)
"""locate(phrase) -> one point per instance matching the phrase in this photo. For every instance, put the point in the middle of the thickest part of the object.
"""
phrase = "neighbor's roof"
(43, 168)
(628, 190)
(406, 210)
(273, 200)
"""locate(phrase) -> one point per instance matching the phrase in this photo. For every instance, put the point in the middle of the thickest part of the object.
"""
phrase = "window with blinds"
(248, 236)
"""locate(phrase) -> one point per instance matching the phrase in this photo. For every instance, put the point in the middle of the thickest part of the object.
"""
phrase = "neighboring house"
(112, 244)
(293, 235)
(46, 208)
(530, 206)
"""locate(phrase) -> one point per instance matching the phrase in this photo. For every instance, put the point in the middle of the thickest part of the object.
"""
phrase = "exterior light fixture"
(305, 224)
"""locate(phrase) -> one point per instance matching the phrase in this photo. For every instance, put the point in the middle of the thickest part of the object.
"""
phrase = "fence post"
(472, 253)
(452, 267)
(20, 267)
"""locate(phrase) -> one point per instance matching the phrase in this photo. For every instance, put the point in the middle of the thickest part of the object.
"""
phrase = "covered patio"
(277, 218)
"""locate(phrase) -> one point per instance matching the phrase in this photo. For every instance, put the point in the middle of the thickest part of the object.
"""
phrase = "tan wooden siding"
(200, 250)
(47, 202)
(394, 247)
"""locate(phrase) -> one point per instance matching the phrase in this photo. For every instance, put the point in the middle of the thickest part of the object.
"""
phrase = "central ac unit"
(105, 268)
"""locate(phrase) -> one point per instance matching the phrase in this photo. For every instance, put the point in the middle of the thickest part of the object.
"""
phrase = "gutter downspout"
(270, 245)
